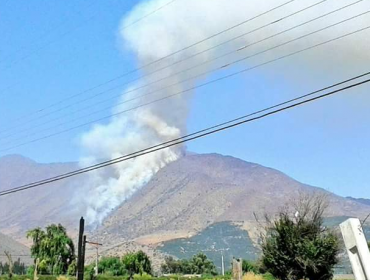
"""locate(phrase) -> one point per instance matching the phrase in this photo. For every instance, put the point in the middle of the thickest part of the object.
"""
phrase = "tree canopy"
(53, 247)
(198, 264)
(299, 246)
(137, 263)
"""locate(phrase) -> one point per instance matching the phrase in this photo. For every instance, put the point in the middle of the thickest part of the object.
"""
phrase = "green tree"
(198, 264)
(112, 266)
(202, 265)
(137, 263)
(171, 266)
(19, 267)
(53, 247)
(299, 246)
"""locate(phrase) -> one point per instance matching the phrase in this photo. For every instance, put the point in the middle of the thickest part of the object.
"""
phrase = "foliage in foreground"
(54, 249)
(137, 263)
(248, 266)
(300, 247)
(130, 264)
(198, 264)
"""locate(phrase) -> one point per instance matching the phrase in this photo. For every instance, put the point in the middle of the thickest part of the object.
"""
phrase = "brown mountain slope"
(198, 190)
(35, 207)
(16, 249)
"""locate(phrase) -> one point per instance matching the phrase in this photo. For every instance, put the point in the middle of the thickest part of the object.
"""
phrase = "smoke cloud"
(169, 30)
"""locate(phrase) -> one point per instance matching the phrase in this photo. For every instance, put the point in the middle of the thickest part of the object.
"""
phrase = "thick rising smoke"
(174, 27)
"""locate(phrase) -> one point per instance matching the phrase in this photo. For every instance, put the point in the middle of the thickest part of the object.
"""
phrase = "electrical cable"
(156, 61)
(195, 135)
(173, 64)
(169, 76)
(188, 90)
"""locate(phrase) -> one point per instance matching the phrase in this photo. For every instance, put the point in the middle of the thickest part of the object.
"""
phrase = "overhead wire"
(175, 63)
(197, 86)
(208, 131)
(146, 15)
(51, 30)
(157, 60)
(79, 26)
(173, 74)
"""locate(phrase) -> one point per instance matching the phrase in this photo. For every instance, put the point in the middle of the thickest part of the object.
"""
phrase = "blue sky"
(50, 50)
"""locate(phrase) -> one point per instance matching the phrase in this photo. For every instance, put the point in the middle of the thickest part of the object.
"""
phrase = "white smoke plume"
(174, 27)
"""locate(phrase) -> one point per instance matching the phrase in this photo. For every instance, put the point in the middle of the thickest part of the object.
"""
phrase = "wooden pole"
(80, 253)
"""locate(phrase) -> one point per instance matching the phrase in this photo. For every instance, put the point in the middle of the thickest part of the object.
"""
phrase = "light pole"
(97, 255)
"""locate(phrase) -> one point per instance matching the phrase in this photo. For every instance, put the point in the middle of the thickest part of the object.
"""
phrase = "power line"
(175, 63)
(157, 60)
(51, 30)
(49, 43)
(17, 255)
(147, 15)
(187, 90)
(79, 26)
(171, 75)
(193, 136)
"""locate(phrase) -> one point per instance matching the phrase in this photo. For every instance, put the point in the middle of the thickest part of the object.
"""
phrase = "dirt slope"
(199, 190)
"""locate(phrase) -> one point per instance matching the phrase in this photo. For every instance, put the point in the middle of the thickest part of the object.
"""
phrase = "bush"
(248, 266)
(137, 263)
(144, 276)
(268, 276)
(300, 247)
(72, 268)
(111, 266)
(198, 264)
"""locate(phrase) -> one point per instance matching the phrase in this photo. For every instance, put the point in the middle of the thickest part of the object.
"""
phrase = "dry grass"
(252, 276)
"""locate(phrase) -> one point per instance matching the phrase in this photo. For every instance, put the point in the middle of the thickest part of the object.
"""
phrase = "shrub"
(248, 266)
(72, 268)
(144, 276)
(300, 247)
(268, 276)
(111, 266)
(137, 263)
(198, 264)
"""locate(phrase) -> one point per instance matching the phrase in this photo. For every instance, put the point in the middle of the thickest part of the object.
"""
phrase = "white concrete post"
(357, 248)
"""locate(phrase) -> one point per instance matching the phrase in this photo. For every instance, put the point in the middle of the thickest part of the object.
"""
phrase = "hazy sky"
(50, 50)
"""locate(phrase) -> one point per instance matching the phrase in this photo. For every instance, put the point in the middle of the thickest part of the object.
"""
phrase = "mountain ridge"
(229, 188)
(169, 206)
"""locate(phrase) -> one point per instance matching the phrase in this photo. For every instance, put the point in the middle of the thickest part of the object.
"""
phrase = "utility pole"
(222, 264)
(80, 251)
(97, 255)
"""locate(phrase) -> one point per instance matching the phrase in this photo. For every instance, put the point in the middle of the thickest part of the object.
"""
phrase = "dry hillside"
(199, 190)
(16, 249)
(35, 207)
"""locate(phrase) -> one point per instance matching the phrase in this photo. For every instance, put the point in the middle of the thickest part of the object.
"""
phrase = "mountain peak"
(16, 158)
